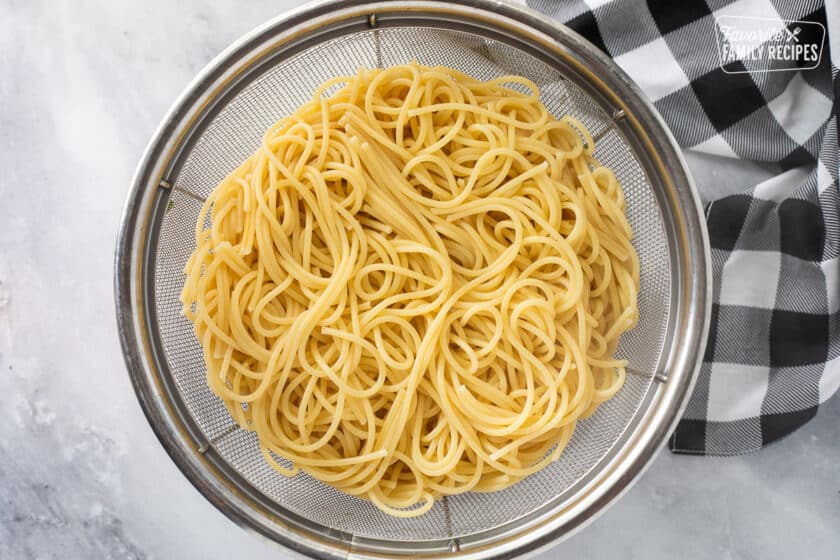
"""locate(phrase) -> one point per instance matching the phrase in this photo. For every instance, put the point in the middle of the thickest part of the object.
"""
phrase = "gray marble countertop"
(81, 474)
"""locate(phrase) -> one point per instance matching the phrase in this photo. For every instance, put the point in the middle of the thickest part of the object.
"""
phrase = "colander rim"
(184, 442)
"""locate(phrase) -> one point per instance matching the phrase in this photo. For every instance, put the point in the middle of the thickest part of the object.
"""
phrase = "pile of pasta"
(415, 286)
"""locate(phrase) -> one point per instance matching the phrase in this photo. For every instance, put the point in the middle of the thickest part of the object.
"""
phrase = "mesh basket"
(220, 120)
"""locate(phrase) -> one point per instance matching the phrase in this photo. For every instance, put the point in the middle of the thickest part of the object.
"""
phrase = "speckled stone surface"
(83, 85)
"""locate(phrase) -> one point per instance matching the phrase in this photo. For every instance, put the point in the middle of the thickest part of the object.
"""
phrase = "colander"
(219, 120)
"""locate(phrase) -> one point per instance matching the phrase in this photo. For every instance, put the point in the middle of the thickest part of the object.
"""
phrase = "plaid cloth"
(774, 347)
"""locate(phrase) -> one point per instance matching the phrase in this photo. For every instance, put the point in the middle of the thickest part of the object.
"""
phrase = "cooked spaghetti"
(415, 286)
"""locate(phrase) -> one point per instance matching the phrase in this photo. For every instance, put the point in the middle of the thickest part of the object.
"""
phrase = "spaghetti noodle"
(415, 286)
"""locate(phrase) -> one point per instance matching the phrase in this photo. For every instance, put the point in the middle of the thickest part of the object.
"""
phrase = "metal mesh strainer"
(219, 121)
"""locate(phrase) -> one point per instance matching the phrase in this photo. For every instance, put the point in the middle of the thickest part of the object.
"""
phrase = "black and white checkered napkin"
(774, 346)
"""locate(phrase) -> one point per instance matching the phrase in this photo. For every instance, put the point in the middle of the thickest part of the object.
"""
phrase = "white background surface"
(82, 86)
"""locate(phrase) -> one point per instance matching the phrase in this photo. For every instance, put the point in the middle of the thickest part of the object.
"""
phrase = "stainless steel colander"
(218, 122)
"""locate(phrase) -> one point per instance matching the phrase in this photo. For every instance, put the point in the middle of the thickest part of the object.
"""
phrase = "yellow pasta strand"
(415, 286)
